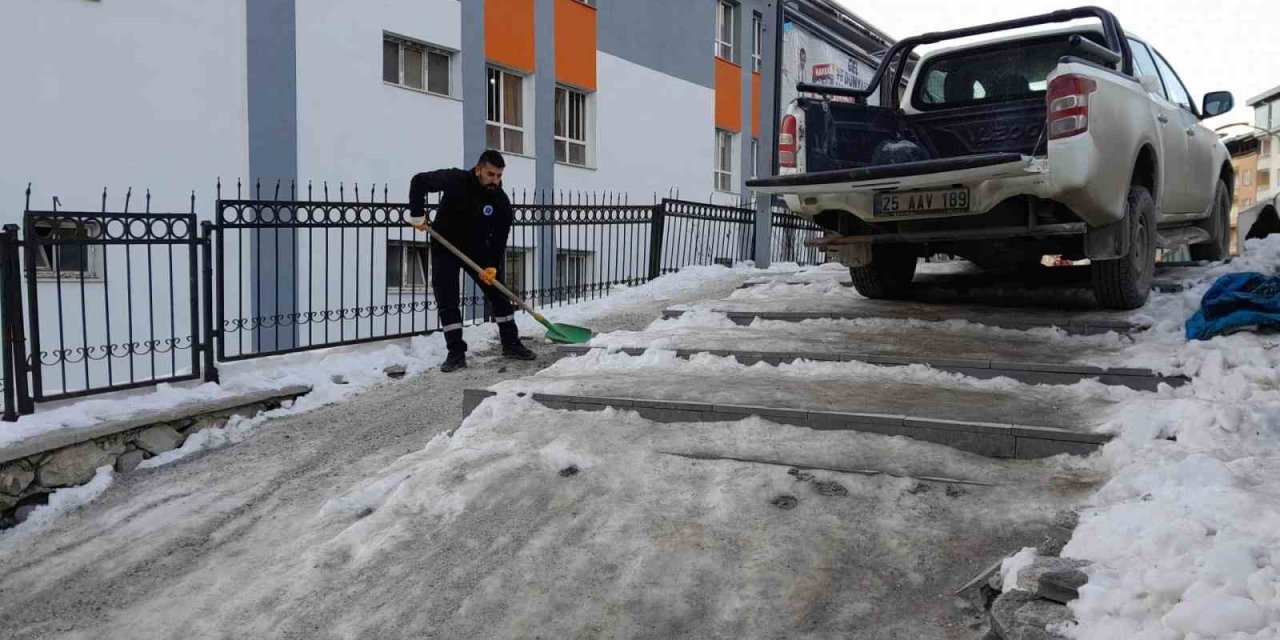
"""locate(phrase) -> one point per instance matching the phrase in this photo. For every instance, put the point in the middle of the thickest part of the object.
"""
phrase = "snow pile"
(530, 522)
(60, 503)
(1185, 537)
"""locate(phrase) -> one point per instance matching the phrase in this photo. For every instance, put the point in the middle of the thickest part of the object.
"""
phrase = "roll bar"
(1116, 50)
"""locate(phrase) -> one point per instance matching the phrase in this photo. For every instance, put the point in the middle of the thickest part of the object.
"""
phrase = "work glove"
(418, 223)
(489, 276)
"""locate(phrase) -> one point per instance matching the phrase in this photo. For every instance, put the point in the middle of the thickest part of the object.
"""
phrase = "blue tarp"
(1236, 301)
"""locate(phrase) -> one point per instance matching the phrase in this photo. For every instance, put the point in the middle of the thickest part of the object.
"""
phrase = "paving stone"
(1034, 448)
(991, 445)
(958, 425)
(158, 440)
(14, 479)
(130, 461)
(1020, 615)
(73, 465)
(1056, 579)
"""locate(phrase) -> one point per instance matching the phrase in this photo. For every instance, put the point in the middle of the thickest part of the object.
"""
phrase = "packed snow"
(618, 523)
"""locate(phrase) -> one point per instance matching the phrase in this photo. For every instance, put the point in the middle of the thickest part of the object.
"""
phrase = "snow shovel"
(561, 333)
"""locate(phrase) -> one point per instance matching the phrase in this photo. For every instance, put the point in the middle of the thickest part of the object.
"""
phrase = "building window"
(757, 42)
(1266, 147)
(573, 272)
(1248, 177)
(755, 157)
(406, 265)
(71, 259)
(504, 128)
(571, 126)
(589, 3)
(514, 274)
(724, 160)
(724, 30)
(416, 66)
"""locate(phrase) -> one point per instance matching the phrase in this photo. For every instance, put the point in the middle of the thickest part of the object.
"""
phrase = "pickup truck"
(1075, 140)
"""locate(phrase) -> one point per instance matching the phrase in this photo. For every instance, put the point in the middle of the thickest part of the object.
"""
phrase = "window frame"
(755, 157)
(583, 263)
(1137, 45)
(402, 43)
(724, 172)
(94, 264)
(1191, 102)
(567, 139)
(757, 42)
(407, 251)
(504, 127)
(724, 48)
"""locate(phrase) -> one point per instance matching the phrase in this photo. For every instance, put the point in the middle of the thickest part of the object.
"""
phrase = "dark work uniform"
(476, 219)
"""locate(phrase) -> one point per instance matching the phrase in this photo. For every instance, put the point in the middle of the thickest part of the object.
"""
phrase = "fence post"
(17, 397)
(208, 333)
(656, 235)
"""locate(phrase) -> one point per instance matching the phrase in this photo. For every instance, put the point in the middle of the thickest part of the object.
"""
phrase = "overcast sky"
(1231, 45)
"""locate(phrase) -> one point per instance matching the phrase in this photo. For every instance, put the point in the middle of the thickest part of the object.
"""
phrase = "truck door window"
(1145, 65)
(1177, 92)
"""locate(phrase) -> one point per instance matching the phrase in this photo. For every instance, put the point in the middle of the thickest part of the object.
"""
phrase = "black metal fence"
(789, 235)
(106, 301)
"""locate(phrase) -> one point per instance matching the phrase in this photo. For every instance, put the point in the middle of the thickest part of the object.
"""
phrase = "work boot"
(456, 360)
(517, 351)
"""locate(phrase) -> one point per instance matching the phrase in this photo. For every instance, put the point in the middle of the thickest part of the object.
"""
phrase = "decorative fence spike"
(127, 197)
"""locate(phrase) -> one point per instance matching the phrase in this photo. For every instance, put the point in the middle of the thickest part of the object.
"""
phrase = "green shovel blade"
(567, 333)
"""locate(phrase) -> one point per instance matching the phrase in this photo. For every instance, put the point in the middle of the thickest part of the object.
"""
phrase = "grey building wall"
(670, 36)
(271, 42)
(544, 145)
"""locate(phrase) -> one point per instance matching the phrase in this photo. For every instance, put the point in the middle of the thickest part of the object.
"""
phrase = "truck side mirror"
(1217, 103)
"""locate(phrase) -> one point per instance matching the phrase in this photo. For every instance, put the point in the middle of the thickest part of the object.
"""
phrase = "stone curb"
(68, 437)
(991, 440)
(1027, 372)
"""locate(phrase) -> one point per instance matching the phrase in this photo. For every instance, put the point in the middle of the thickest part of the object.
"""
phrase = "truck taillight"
(787, 143)
(1068, 100)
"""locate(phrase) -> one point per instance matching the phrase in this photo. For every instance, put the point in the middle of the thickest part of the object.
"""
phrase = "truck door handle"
(1191, 132)
(1163, 119)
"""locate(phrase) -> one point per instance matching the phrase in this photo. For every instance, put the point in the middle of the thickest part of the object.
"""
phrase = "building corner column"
(544, 143)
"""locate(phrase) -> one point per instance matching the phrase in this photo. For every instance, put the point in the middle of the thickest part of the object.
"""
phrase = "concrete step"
(1003, 420)
(747, 311)
(995, 440)
(983, 368)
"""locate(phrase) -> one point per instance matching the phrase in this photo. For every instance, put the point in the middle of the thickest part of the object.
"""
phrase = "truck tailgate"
(906, 175)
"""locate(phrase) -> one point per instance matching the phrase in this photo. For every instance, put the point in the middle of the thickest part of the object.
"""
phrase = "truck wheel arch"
(1146, 172)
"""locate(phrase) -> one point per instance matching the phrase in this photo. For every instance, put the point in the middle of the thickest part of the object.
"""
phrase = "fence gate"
(97, 277)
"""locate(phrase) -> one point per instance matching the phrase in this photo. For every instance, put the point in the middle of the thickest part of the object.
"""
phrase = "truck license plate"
(908, 202)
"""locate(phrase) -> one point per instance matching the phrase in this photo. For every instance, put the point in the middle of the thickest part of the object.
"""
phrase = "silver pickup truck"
(1078, 141)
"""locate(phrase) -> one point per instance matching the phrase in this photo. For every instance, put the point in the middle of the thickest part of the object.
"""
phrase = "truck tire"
(1218, 225)
(889, 275)
(1125, 283)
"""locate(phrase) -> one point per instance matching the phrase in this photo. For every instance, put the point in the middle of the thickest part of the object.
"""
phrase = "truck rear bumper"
(993, 233)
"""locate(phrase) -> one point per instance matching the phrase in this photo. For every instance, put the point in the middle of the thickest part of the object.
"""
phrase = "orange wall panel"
(728, 96)
(508, 33)
(575, 44)
(755, 105)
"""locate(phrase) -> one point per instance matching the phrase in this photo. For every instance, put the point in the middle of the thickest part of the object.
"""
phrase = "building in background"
(1266, 129)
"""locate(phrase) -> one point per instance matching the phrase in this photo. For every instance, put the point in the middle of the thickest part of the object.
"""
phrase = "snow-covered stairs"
(998, 381)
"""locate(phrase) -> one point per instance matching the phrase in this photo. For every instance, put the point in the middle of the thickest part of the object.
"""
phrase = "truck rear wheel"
(1218, 224)
(889, 275)
(1125, 283)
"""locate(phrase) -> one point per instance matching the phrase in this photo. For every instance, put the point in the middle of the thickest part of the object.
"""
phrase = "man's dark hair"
(493, 158)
